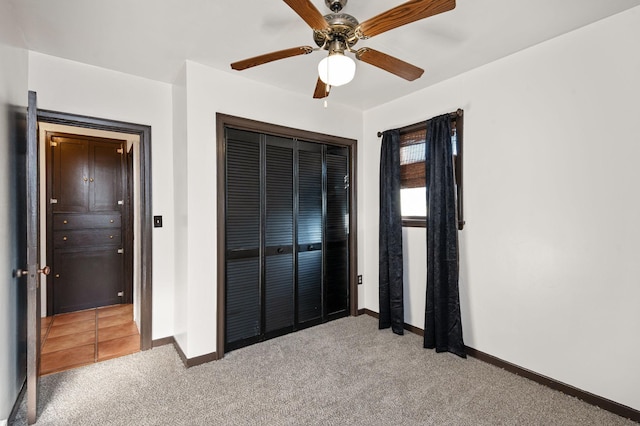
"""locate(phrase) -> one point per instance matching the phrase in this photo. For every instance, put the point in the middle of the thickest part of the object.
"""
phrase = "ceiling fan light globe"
(336, 70)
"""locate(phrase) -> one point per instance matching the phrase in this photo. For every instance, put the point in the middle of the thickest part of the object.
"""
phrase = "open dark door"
(33, 269)
(128, 229)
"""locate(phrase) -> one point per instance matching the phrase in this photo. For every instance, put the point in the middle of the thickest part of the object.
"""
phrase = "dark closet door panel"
(309, 286)
(71, 175)
(337, 277)
(279, 233)
(81, 280)
(279, 195)
(310, 197)
(337, 197)
(243, 299)
(243, 191)
(310, 274)
(279, 292)
(337, 232)
(105, 176)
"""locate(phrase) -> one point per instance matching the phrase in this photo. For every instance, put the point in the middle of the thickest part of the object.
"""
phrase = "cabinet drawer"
(87, 237)
(77, 221)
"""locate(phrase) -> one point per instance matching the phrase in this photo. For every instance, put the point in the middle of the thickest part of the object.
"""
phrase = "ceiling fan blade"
(309, 13)
(270, 57)
(389, 63)
(408, 12)
(321, 90)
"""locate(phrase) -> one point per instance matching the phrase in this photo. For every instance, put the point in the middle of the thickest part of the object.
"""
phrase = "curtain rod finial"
(379, 134)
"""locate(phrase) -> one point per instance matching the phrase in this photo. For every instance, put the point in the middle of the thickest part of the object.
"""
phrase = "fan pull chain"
(327, 89)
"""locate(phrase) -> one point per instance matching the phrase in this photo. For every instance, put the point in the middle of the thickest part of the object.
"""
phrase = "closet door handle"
(280, 250)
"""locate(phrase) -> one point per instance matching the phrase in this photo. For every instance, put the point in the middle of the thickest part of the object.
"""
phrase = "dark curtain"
(390, 275)
(443, 326)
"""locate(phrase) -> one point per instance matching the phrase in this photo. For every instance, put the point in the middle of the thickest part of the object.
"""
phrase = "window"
(413, 171)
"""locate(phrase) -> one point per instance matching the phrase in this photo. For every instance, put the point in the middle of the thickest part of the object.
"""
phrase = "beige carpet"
(346, 372)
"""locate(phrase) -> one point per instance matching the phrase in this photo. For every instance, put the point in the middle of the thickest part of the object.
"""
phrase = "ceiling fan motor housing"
(341, 27)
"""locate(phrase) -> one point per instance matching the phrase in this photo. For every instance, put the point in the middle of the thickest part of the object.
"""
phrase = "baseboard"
(188, 362)
(163, 341)
(368, 312)
(192, 362)
(604, 403)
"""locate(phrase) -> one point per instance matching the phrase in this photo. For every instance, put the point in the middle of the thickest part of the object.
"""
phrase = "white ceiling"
(153, 38)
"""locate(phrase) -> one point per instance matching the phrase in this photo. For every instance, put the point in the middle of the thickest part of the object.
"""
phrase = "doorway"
(139, 138)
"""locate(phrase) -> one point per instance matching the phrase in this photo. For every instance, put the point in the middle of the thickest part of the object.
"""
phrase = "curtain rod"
(458, 113)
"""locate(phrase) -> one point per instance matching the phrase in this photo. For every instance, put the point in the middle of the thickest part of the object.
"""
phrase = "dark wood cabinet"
(85, 189)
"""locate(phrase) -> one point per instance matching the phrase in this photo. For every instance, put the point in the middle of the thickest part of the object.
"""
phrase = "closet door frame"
(223, 121)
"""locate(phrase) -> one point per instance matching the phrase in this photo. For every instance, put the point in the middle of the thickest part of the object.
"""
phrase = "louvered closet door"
(310, 274)
(279, 231)
(243, 304)
(287, 216)
(337, 231)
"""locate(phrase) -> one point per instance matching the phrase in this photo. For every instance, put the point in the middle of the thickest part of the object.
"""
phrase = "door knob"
(24, 272)
(280, 250)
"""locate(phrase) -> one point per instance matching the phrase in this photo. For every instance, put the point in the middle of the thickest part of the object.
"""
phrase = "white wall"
(13, 95)
(77, 88)
(180, 210)
(208, 92)
(549, 255)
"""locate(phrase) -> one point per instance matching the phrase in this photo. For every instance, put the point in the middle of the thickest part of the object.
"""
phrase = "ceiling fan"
(339, 32)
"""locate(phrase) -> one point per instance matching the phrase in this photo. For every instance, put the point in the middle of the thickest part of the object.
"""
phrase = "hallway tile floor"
(79, 338)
